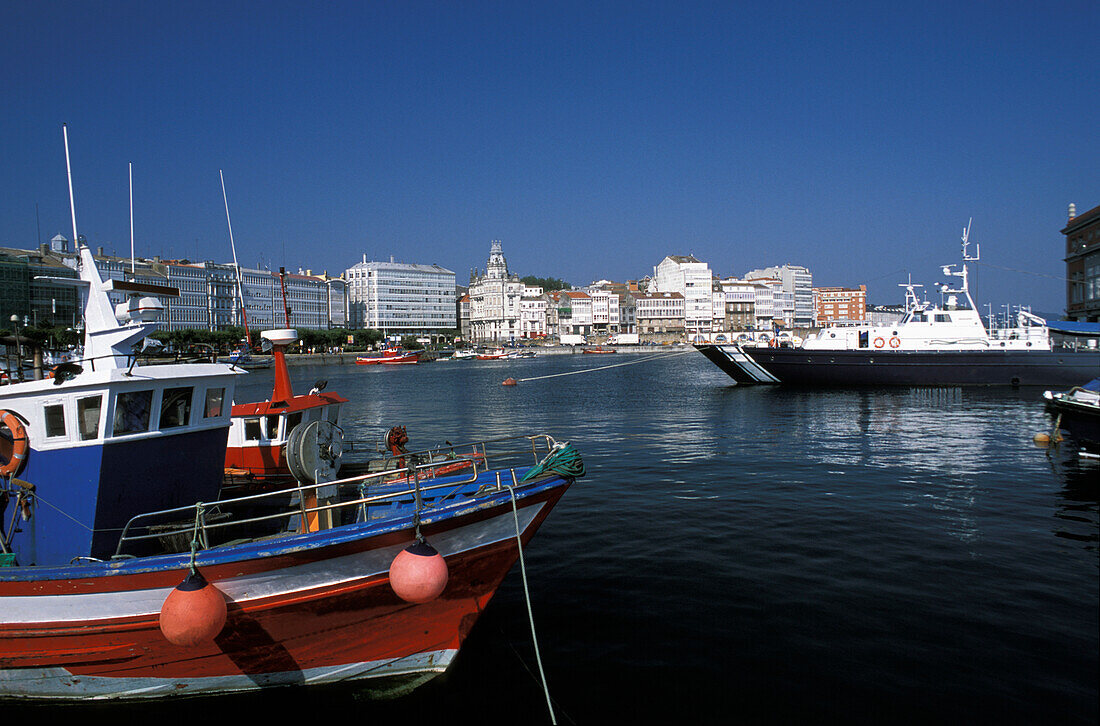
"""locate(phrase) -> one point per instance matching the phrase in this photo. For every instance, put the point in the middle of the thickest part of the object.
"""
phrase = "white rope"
(527, 597)
(613, 365)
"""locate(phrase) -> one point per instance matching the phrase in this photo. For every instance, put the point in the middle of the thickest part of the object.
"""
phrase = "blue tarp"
(1072, 327)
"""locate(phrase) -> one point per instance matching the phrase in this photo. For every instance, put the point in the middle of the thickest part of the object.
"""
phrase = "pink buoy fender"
(419, 573)
(193, 613)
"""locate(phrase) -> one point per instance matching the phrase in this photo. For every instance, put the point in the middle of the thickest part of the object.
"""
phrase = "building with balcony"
(796, 283)
(660, 316)
(1083, 265)
(690, 278)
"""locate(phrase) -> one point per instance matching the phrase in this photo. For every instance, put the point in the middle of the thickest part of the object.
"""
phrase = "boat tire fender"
(895, 342)
(16, 459)
(879, 342)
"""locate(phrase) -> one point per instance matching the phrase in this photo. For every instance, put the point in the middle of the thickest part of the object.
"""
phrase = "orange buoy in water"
(509, 382)
(193, 613)
(419, 573)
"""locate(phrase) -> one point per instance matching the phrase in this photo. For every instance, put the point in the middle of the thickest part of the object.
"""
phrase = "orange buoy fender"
(193, 613)
(419, 573)
(508, 382)
(13, 454)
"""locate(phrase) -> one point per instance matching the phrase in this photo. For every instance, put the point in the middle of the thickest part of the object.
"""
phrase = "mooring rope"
(613, 365)
(527, 595)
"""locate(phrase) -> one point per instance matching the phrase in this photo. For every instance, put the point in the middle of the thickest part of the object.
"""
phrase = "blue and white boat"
(126, 574)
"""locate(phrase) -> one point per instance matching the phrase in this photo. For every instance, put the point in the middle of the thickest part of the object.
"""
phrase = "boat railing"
(421, 484)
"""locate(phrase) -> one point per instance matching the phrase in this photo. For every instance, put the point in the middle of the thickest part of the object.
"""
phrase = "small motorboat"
(1077, 411)
(598, 350)
(389, 357)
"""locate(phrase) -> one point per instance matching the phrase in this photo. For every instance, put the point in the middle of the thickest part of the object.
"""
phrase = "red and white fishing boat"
(497, 354)
(389, 357)
(259, 432)
(598, 350)
(123, 574)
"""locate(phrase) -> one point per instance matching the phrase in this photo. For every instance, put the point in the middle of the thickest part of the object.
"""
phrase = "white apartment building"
(692, 279)
(399, 298)
(735, 304)
(532, 312)
(495, 301)
(605, 311)
(798, 283)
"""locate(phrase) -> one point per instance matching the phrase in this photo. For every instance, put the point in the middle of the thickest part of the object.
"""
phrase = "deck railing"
(429, 479)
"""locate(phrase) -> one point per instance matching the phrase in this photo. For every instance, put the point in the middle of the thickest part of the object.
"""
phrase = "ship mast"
(240, 284)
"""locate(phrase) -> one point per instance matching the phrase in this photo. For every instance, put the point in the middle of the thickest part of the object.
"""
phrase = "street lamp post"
(18, 346)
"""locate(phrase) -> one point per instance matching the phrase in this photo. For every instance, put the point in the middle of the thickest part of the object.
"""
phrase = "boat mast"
(282, 282)
(240, 284)
(133, 266)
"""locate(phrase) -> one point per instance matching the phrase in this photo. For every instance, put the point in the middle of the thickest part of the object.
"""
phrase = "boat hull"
(799, 366)
(314, 608)
(1080, 420)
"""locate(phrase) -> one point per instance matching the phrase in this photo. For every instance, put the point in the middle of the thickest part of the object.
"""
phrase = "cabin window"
(132, 411)
(292, 420)
(175, 407)
(87, 416)
(864, 336)
(271, 426)
(919, 318)
(252, 429)
(313, 414)
(215, 397)
(55, 420)
(943, 318)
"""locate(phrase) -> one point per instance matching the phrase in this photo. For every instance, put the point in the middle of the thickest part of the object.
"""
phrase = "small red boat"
(598, 350)
(390, 357)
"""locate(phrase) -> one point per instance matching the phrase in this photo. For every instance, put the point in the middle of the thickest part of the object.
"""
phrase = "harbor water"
(750, 554)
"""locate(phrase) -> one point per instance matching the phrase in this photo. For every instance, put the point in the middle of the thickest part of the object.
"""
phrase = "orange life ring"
(894, 342)
(13, 455)
(879, 342)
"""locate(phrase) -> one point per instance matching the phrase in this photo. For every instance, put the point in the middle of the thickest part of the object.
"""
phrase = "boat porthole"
(1002, 344)
(1015, 381)
(870, 360)
(1029, 344)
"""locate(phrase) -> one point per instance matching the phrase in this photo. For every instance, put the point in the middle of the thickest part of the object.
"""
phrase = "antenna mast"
(132, 265)
(232, 246)
(69, 171)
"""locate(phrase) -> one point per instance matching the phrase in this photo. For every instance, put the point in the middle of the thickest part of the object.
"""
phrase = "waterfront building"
(575, 313)
(840, 305)
(495, 300)
(532, 312)
(660, 316)
(401, 298)
(690, 278)
(797, 283)
(774, 304)
(462, 311)
(620, 314)
(1083, 265)
(37, 301)
(735, 304)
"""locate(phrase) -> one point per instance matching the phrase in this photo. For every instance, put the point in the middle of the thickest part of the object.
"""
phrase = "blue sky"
(591, 138)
